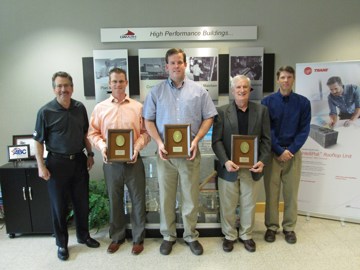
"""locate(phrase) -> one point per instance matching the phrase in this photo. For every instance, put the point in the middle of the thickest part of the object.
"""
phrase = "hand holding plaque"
(120, 145)
(244, 150)
(177, 140)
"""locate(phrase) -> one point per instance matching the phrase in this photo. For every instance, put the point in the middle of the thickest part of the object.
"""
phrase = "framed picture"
(18, 152)
(27, 139)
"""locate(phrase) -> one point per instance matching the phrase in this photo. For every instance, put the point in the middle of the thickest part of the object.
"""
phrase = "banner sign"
(178, 33)
(330, 180)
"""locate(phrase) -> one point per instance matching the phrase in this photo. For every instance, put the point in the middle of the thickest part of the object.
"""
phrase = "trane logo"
(321, 69)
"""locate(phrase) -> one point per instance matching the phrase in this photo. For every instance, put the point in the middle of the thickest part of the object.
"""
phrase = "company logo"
(321, 69)
(308, 70)
(19, 151)
(128, 35)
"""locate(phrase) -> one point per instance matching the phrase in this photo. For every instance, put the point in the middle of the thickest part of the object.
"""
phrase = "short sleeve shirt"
(189, 104)
(61, 129)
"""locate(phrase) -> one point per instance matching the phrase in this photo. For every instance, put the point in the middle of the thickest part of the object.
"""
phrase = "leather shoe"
(114, 246)
(270, 236)
(137, 248)
(290, 237)
(195, 247)
(228, 245)
(166, 247)
(90, 242)
(249, 245)
(63, 253)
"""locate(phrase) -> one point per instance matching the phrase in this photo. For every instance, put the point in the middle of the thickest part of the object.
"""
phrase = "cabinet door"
(16, 201)
(39, 202)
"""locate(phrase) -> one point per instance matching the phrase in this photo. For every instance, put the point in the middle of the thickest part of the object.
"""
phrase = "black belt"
(65, 156)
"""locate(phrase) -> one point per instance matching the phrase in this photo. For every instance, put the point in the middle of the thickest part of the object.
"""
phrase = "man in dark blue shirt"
(290, 116)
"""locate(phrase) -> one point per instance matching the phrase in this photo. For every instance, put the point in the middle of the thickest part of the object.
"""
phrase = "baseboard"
(260, 207)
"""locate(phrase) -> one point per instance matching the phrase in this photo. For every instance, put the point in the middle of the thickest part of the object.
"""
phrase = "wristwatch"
(90, 154)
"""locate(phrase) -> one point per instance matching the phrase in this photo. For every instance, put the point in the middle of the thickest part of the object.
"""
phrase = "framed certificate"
(28, 139)
(18, 152)
(177, 140)
(120, 143)
(244, 150)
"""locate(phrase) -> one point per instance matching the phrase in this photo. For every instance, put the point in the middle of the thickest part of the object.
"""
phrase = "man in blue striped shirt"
(290, 116)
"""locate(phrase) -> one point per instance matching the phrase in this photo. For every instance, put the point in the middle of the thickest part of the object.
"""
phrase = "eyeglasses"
(59, 86)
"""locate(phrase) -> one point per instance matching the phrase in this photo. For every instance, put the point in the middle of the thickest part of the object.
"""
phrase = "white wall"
(40, 37)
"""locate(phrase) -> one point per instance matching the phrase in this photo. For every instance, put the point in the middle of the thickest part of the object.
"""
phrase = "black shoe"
(228, 245)
(270, 236)
(290, 237)
(166, 247)
(90, 242)
(249, 245)
(63, 253)
(195, 247)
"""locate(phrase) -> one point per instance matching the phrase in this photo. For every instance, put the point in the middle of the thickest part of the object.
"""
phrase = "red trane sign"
(307, 70)
(321, 69)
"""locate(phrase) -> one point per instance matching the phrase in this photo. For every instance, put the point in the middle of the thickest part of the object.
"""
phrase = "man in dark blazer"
(235, 184)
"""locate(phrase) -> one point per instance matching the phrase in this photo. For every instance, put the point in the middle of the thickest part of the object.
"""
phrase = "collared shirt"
(62, 130)
(189, 104)
(290, 118)
(113, 114)
(243, 120)
(347, 102)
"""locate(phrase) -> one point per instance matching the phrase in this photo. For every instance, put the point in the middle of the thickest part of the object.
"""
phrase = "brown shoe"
(137, 248)
(249, 245)
(114, 246)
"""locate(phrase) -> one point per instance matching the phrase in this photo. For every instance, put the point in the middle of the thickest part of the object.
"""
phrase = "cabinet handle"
(30, 194)
(24, 194)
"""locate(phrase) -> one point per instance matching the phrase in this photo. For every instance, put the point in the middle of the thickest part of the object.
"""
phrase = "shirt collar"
(112, 99)
(284, 98)
(172, 85)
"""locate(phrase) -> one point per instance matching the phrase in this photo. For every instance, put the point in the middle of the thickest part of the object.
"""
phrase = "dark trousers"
(69, 179)
(133, 176)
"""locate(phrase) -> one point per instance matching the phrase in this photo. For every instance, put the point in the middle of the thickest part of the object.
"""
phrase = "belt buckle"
(72, 157)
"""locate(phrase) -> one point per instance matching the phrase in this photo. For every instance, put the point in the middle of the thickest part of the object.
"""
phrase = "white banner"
(178, 33)
(330, 178)
(104, 61)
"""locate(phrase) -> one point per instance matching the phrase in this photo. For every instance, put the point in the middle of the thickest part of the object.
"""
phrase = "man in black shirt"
(62, 124)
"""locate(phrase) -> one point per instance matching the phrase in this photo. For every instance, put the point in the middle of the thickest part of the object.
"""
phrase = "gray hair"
(239, 78)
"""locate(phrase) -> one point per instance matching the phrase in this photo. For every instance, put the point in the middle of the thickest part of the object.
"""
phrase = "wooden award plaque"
(177, 140)
(120, 144)
(244, 150)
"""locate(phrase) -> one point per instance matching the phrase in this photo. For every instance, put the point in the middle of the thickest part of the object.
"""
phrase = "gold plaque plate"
(177, 140)
(120, 144)
(244, 150)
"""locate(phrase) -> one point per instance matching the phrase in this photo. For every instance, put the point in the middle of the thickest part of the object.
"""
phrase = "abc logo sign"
(19, 151)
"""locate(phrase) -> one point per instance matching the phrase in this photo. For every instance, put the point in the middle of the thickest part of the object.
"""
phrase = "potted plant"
(98, 205)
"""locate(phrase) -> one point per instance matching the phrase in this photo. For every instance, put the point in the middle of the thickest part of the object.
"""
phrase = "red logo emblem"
(308, 70)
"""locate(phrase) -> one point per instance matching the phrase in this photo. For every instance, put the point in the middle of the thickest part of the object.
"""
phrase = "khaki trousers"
(288, 175)
(185, 174)
(243, 191)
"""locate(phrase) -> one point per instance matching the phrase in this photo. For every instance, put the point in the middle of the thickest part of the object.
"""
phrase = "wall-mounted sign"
(178, 33)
